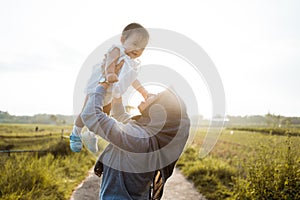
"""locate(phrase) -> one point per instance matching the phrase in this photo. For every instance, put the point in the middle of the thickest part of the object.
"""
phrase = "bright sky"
(255, 45)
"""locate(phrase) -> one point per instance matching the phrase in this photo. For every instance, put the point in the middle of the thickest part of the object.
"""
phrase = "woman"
(142, 150)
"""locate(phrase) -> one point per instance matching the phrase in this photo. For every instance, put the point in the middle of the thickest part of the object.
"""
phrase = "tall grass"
(245, 165)
(264, 177)
(212, 177)
(51, 175)
(24, 136)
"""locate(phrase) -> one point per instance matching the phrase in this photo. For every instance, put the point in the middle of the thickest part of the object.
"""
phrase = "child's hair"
(135, 28)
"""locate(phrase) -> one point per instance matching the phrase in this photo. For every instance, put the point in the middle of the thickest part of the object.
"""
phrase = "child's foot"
(75, 143)
(90, 140)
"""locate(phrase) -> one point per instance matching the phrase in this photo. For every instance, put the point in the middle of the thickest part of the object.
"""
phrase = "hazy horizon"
(189, 116)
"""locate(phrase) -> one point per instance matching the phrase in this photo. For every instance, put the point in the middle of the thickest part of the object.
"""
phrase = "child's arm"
(111, 62)
(138, 86)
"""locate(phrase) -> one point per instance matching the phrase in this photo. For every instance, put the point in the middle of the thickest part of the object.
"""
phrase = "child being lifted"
(134, 39)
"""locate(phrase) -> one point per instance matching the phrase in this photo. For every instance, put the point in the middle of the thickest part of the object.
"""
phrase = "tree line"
(269, 120)
(5, 117)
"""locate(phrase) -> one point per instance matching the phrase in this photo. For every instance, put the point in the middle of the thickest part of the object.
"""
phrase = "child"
(134, 39)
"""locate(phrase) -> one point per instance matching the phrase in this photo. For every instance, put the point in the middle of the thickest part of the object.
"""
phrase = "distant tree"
(269, 119)
(273, 120)
(53, 118)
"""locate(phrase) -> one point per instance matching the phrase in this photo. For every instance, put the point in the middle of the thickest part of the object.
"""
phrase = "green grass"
(50, 176)
(30, 128)
(42, 175)
(242, 165)
(244, 162)
(24, 136)
(293, 131)
(212, 177)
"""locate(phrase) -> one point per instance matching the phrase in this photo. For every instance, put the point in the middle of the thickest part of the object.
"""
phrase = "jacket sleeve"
(125, 136)
(118, 112)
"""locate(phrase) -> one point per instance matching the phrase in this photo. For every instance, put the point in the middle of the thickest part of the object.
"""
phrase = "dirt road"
(177, 187)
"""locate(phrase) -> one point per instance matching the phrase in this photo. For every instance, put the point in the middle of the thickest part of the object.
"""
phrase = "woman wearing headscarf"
(142, 150)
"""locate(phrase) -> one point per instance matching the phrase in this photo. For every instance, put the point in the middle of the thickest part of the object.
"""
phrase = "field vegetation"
(52, 172)
(246, 164)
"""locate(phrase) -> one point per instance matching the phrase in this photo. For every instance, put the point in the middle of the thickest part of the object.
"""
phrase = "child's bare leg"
(75, 141)
(78, 125)
(79, 122)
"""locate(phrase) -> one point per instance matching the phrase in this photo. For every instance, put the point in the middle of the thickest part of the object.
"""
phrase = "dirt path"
(177, 187)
